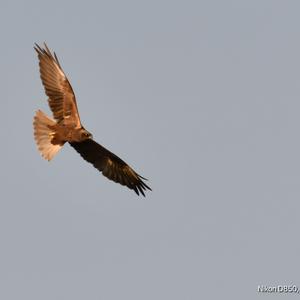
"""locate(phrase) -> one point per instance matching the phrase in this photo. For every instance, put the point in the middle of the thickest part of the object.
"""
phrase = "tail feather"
(43, 135)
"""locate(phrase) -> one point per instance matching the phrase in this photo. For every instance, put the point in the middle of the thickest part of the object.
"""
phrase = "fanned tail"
(43, 135)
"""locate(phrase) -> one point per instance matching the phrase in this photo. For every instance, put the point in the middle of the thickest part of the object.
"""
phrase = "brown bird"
(50, 135)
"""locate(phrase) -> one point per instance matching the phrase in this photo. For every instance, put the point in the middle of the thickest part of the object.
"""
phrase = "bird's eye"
(86, 134)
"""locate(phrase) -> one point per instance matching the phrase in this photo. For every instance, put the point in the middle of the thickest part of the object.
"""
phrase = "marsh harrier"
(51, 134)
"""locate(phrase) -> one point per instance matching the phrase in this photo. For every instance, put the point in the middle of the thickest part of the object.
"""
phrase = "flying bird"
(51, 134)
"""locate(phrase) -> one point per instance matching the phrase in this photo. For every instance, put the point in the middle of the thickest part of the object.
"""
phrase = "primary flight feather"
(50, 135)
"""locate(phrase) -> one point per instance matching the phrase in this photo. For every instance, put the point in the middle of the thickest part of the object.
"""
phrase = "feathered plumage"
(51, 135)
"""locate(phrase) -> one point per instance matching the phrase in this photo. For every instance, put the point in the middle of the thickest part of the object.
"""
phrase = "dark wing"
(111, 166)
(61, 100)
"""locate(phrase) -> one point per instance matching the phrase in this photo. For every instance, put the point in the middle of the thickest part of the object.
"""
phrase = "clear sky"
(202, 98)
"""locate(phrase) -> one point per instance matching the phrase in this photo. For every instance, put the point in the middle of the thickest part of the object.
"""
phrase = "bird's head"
(84, 134)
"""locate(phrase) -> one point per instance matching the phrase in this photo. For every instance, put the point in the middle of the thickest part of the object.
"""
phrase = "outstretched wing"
(111, 166)
(61, 100)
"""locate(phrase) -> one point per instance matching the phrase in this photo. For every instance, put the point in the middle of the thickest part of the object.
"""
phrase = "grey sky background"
(202, 98)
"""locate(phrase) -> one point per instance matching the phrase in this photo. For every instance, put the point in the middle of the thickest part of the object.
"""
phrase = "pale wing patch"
(61, 73)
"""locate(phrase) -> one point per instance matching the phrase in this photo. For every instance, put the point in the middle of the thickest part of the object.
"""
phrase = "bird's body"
(52, 134)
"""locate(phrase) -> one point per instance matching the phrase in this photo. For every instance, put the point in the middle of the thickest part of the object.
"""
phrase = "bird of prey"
(51, 134)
